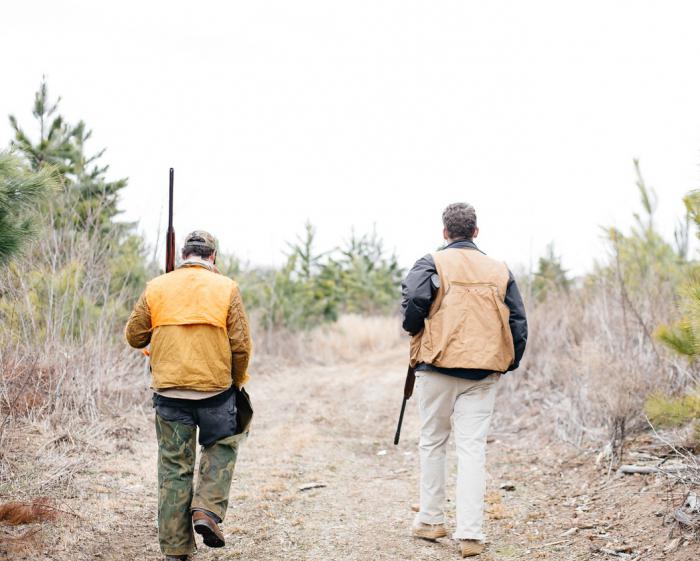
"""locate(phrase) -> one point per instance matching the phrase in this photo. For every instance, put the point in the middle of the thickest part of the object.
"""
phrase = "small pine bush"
(663, 410)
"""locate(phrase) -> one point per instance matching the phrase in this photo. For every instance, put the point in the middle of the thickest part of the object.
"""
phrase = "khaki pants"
(445, 403)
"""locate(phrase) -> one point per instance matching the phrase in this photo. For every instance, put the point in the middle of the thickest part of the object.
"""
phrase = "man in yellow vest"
(468, 323)
(200, 346)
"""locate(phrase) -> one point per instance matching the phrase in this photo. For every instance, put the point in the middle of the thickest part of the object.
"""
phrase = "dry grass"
(351, 338)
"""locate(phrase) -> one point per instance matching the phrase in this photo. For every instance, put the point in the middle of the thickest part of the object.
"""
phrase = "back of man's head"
(200, 244)
(459, 221)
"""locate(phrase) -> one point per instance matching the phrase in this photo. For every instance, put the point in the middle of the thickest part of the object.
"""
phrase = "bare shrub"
(591, 365)
(63, 365)
(68, 380)
(593, 357)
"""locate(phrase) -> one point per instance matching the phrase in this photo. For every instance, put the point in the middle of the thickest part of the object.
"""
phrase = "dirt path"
(333, 426)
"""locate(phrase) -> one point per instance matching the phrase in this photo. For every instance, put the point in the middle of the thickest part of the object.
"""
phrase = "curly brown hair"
(459, 219)
(197, 250)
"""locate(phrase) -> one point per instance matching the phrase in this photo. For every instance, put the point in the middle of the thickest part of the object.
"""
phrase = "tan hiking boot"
(207, 527)
(429, 531)
(470, 548)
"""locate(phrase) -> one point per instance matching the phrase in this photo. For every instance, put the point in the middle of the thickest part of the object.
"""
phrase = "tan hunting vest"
(467, 326)
(190, 347)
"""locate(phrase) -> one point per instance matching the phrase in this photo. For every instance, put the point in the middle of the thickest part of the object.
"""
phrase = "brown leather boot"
(471, 548)
(207, 527)
(430, 532)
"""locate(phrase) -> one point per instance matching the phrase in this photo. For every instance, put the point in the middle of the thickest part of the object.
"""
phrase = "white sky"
(354, 113)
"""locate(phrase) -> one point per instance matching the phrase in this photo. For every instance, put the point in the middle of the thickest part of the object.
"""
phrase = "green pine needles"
(683, 336)
(21, 192)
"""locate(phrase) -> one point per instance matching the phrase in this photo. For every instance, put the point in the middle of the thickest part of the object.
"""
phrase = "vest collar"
(462, 244)
(196, 262)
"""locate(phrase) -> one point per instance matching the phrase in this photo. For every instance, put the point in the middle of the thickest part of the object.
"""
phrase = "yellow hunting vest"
(189, 345)
(467, 326)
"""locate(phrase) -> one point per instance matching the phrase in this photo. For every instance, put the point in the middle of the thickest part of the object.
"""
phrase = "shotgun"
(170, 238)
(407, 393)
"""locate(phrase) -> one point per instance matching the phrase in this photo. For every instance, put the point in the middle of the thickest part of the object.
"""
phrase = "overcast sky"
(354, 113)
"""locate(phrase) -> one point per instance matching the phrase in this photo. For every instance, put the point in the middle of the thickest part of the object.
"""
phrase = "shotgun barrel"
(170, 238)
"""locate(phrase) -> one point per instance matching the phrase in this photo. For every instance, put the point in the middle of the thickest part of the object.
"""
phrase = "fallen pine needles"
(15, 513)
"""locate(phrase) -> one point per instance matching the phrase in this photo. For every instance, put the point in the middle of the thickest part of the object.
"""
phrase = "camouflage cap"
(200, 238)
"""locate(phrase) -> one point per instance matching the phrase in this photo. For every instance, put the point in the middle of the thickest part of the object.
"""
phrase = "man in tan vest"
(200, 347)
(468, 323)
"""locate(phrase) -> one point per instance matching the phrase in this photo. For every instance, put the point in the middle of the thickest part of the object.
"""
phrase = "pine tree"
(684, 335)
(53, 147)
(550, 276)
(84, 209)
(643, 258)
(21, 192)
(90, 197)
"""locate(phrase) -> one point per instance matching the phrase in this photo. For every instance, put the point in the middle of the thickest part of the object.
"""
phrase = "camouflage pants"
(176, 430)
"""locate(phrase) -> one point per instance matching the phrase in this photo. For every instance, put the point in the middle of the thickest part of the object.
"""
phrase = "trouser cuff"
(426, 519)
(478, 536)
(189, 550)
(208, 508)
(216, 517)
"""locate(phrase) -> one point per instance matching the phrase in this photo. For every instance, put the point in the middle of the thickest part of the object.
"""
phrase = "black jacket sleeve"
(418, 291)
(518, 321)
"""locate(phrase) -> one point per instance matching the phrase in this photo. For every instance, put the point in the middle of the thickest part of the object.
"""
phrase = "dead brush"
(24, 382)
(64, 365)
(589, 365)
(68, 379)
(61, 345)
(682, 490)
